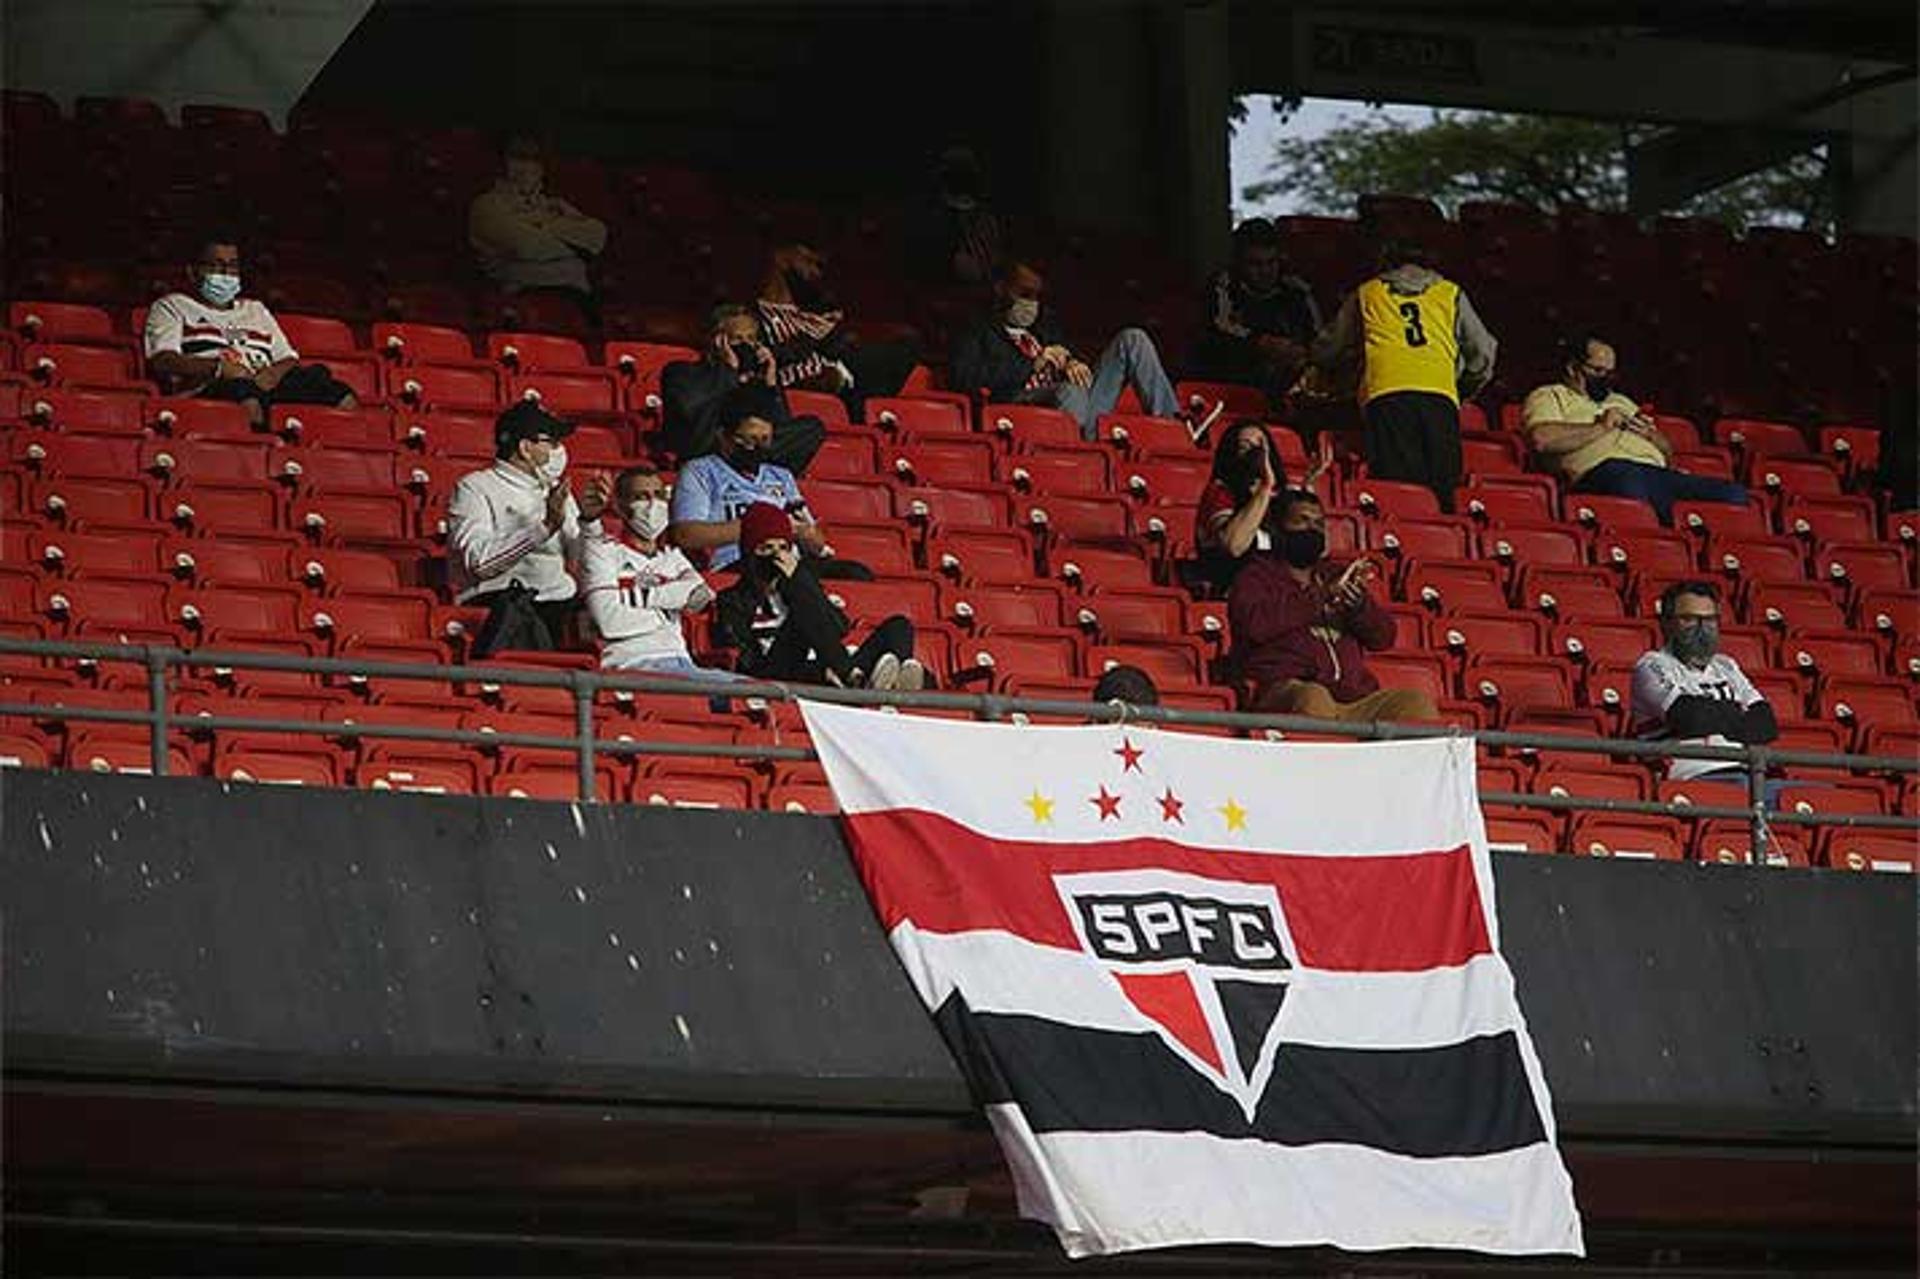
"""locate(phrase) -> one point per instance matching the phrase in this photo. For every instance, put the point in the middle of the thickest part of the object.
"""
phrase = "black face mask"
(1598, 388)
(746, 459)
(808, 295)
(1301, 547)
(747, 356)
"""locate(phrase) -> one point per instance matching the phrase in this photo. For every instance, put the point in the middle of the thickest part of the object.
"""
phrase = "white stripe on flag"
(1002, 973)
(1518, 1201)
(1304, 797)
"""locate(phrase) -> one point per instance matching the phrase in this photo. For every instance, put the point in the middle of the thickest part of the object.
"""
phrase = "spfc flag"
(1214, 991)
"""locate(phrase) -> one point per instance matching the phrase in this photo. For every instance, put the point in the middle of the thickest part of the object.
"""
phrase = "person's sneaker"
(913, 676)
(886, 673)
(1200, 416)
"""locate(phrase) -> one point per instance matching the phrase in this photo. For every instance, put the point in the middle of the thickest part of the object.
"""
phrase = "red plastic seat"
(1495, 634)
(69, 551)
(1756, 437)
(1862, 566)
(332, 569)
(262, 610)
(915, 598)
(1521, 545)
(1792, 606)
(1022, 653)
(844, 455)
(1522, 830)
(1171, 661)
(71, 364)
(1515, 683)
(954, 507)
(941, 462)
(69, 454)
(1119, 616)
(1797, 477)
(983, 556)
(318, 336)
(190, 419)
(879, 544)
(830, 409)
(214, 507)
(1451, 586)
(1031, 425)
(220, 461)
(1595, 782)
(110, 748)
(1628, 836)
(802, 797)
(1656, 551)
(114, 601)
(24, 746)
(1756, 559)
(1140, 433)
(1856, 448)
(1091, 568)
(411, 767)
(205, 562)
(1869, 850)
(1380, 499)
(1594, 640)
(1511, 499)
(422, 343)
(1614, 514)
(1071, 474)
(334, 516)
(577, 391)
(1080, 519)
(1174, 482)
(344, 617)
(1439, 537)
(1867, 702)
(1729, 843)
(1240, 401)
(1036, 604)
(90, 498)
(1845, 653)
(1419, 671)
(119, 412)
(909, 413)
(1722, 519)
(312, 425)
(42, 321)
(640, 363)
(1889, 612)
(1830, 519)
(449, 386)
(536, 352)
(280, 759)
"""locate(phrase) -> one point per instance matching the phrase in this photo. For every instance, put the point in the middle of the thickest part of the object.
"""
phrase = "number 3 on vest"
(1416, 336)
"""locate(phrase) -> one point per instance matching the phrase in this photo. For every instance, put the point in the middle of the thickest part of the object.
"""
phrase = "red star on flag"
(1170, 807)
(1129, 756)
(1109, 805)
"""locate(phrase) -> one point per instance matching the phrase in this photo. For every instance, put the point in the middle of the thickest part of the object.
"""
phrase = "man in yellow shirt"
(1420, 347)
(1601, 441)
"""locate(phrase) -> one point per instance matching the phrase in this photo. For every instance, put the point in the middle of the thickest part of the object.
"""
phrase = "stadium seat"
(1755, 437)
(1592, 782)
(1438, 537)
(690, 784)
(834, 500)
(70, 364)
(317, 337)
(1028, 605)
(422, 343)
(219, 461)
(641, 363)
(879, 544)
(448, 386)
(335, 515)
(1023, 653)
(1522, 830)
(92, 498)
(1612, 514)
(230, 612)
(1080, 519)
(1382, 499)
(1755, 559)
(845, 454)
(1048, 473)
(124, 412)
(1512, 684)
(70, 454)
(1721, 518)
(915, 598)
(1655, 551)
(1868, 850)
(830, 409)
(524, 353)
(1863, 702)
(1862, 566)
(1511, 499)
(1452, 586)
(313, 425)
(1139, 434)
(1417, 671)
(48, 321)
(1158, 479)
(1092, 568)
(1628, 836)
(1121, 616)
(982, 506)
(1791, 606)
(66, 552)
(941, 461)
(1829, 519)
(206, 562)
(1171, 662)
(1031, 425)
(1846, 653)
(278, 759)
(1501, 633)
(1522, 545)
(897, 413)
(1795, 477)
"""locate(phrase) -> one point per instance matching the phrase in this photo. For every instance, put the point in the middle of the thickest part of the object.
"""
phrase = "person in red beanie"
(783, 626)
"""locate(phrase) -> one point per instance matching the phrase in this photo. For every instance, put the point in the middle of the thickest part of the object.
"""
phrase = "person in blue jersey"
(715, 490)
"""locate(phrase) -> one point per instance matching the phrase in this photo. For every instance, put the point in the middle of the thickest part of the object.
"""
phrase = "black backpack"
(513, 624)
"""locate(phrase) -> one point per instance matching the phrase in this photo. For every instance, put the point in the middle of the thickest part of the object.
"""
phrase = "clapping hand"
(1322, 463)
(596, 498)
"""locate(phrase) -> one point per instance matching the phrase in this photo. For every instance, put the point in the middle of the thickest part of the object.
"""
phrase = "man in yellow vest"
(1420, 347)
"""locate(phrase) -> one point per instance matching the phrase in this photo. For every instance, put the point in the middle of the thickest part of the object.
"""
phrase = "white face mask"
(647, 516)
(220, 287)
(1022, 312)
(556, 465)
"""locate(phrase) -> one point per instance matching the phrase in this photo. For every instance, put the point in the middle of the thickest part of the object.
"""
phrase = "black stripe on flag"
(1469, 1098)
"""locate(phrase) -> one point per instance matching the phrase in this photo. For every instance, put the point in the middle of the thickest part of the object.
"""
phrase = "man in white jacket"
(518, 521)
(636, 588)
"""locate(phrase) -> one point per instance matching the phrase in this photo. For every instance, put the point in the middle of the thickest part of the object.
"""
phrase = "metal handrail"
(587, 746)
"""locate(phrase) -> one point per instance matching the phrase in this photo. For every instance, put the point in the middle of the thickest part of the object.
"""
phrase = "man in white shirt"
(216, 344)
(518, 522)
(715, 490)
(1689, 691)
(527, 238)
(1600, 440)
(636, 587)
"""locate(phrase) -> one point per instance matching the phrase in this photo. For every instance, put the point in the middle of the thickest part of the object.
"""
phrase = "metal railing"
(585, 685)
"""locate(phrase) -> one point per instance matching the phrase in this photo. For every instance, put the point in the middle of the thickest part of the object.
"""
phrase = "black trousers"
(809, 646)
(559, 616)
(878, 368)
(1415, 436)
(302, 384)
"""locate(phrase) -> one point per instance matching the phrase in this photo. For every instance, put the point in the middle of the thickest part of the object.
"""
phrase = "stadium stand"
(1028, 558)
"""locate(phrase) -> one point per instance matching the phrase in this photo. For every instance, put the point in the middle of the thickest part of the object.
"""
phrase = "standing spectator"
(527, 239)
(1420, 348)
(1690, 692)
(1018, 355)
(517, 523)
(1582, 427)
(1236, 516)
(736, 360)
(785, 628)
(717, 489)
(1261, 319)
(218, 345)
(1302, 627)
(960, 239)
(813, 348)
(636, 587)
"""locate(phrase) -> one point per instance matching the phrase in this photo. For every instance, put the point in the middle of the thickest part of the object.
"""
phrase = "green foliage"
(1545, 161)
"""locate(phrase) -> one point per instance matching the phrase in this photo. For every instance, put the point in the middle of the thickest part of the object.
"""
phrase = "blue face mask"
(220, 287)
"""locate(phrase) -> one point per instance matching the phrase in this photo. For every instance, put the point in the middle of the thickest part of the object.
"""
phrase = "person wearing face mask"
(636, 587)
(217, 344)
(519, 522)
(715, 490)
(1017, 355)
(693, 391)
(783, 626)
(1302, 626)
(1236, 514)
(525, 237)
(1688, 691)
(813, 347)
(1583, 428)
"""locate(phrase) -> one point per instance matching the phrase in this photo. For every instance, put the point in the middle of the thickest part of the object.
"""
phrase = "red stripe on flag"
(1400, 912)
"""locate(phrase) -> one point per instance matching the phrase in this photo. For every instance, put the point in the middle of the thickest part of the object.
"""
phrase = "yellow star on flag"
(1236, 816)
(1041, 806)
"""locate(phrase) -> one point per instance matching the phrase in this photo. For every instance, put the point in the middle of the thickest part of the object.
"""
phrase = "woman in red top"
(1236, 513)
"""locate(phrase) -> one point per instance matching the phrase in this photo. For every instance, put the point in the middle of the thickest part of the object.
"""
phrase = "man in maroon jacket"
(1303, 624)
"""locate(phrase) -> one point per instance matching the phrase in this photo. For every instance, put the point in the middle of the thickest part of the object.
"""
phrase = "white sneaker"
(886, 673)
(913, 676)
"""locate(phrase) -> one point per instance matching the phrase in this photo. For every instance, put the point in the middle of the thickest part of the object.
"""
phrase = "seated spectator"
(1017, 355)
(784, 627)
(218, 345)
(1235, 516)
(636, 587)
(716, 489)
(526, 238)
(1261, 319)
(959, 238)
(813, 348)
(517, 523)
(691, 393)
(1302, 625)
(1127, 684)
(1688, 691)
(1418, 347)
(1598, 438)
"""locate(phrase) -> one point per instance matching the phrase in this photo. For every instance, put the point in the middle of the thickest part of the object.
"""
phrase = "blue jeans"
(1129, 360)
(1658, 486)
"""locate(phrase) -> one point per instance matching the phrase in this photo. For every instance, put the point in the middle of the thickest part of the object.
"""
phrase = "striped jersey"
(184, 325)
(1660, 679)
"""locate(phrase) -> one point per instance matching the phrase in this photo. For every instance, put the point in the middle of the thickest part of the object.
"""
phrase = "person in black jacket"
(780, 621)
(1017, 355)
(1261, 319)
(692, 393)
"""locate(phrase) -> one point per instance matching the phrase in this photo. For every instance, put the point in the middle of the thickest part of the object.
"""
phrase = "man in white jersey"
(636, 587)
(1688, 691)
(218, 345)
(715, 490)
